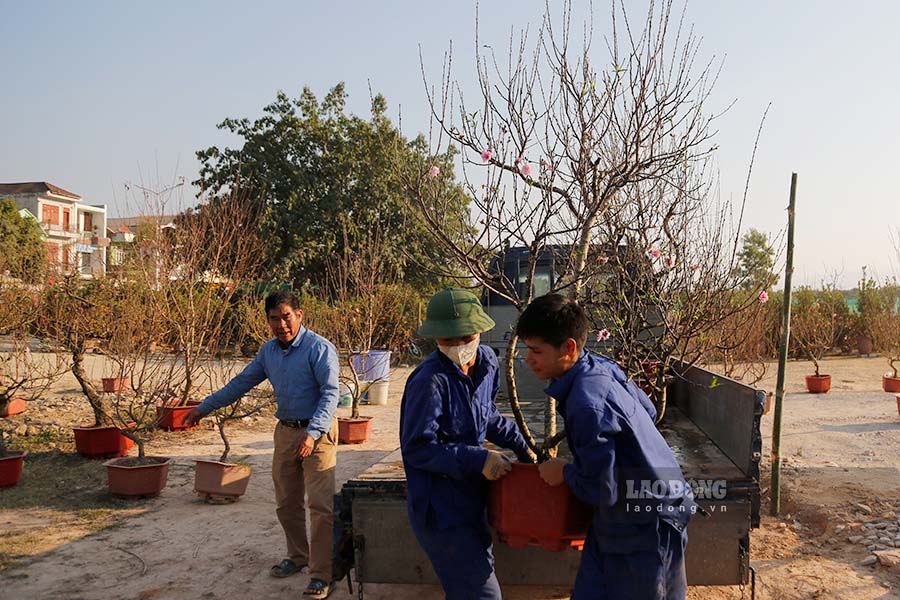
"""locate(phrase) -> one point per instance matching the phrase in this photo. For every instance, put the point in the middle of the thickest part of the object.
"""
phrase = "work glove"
(495, 465)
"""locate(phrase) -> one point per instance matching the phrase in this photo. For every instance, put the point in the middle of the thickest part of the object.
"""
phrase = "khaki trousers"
(312, 477)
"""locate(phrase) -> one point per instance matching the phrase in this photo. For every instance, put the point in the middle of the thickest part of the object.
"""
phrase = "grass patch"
(61, 497)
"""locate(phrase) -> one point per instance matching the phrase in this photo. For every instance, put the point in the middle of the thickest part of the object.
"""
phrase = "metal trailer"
(713, 426)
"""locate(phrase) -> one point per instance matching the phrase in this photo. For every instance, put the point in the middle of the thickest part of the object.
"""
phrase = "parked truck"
(713, 427)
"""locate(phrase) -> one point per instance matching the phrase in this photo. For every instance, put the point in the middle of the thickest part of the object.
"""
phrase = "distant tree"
(22, 251)
(757, 260)
(321, 172)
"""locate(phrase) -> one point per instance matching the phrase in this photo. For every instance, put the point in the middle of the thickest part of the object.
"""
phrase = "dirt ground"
(62, 536)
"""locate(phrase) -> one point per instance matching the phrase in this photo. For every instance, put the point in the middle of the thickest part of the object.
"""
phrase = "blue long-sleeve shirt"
(622, 465)
(445, 417)
(304, 376)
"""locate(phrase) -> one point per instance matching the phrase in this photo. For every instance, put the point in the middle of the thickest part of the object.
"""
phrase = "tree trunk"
(220, 423)
(98, 404)
(510, 372)
(550, 426)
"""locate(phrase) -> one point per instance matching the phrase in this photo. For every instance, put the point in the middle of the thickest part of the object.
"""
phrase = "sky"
(97, 95)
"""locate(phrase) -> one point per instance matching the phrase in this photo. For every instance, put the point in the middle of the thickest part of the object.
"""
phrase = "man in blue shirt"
(622, 465)
(303, 370)
(447, 412)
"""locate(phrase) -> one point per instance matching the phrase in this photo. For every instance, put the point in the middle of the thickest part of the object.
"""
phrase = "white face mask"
(462, 355)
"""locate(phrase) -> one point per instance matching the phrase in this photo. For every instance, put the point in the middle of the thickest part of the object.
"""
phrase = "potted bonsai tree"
(219, 481)
(24, 376)
(192, 268)
(367, 308)
(889, 335)
(77, 313)
(815, 327)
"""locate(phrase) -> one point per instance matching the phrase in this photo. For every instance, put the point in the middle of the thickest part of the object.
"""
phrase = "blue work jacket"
(622, 465)
(445, 416)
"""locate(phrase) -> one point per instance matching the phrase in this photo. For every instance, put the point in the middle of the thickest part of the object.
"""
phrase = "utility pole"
(782, 353)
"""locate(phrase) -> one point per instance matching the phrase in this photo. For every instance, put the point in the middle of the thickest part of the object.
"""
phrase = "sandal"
(286, 568)
(317, 589)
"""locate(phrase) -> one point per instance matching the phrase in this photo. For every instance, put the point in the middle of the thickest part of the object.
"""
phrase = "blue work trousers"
(648, 575)
(463, 560)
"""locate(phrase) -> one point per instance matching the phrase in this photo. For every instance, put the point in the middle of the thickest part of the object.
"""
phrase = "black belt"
(302, 423)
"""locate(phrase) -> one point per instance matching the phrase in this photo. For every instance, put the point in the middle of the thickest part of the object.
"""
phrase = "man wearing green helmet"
(448, 411)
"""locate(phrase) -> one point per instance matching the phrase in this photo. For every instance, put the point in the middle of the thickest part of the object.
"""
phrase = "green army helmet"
(454, 312)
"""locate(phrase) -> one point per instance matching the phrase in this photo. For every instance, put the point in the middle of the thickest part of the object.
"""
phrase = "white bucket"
(378, 392)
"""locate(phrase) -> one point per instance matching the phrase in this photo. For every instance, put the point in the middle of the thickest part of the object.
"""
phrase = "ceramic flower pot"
(354, 431)
(818, 384)
(172, 417)
(551, 517)
(217, 481)
(114, 385)
(137, 477)
(101, 442)
(890, 384)
(11, 468)
(13, 407)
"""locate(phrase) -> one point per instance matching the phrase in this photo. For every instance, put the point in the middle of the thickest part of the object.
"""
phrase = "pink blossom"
(434, 171)
(670, 261)
(486, 155)
(525, 169)
(654, 253)
(603, 335)
(763, 297)
(519, 160)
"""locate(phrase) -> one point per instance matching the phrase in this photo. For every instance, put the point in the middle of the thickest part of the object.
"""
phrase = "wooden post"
(782, 354)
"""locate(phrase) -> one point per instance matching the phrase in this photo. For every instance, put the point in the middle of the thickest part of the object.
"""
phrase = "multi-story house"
(75, 232)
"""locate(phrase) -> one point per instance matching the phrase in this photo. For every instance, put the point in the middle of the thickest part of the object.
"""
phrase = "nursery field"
(62, 536)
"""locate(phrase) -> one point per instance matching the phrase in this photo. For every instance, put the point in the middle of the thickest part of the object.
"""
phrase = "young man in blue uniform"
(447, 412)
(622, 465)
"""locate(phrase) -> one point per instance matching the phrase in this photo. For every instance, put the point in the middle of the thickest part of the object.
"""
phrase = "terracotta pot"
(172, 417)
(890, 384)
(214, 480)
(129, 480)
(551, 517)
(101, 442)
(898, 403)
(114, 385)
(864, 345)
(818, 384)
(11, 468)
(13, 407)
(354, 431)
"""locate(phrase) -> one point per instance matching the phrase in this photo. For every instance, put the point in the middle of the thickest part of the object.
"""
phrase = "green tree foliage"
(324, 178)
(757, 260)
(22, 251)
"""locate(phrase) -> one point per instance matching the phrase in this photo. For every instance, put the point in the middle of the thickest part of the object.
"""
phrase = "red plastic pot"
(114, 385)
(11, 468)
(13, 407)
(101, 442)
(818, 384)
(172, 417)
(128, 478)
(354, 431)
(526, 511)
(215, 480)
(890, 384)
